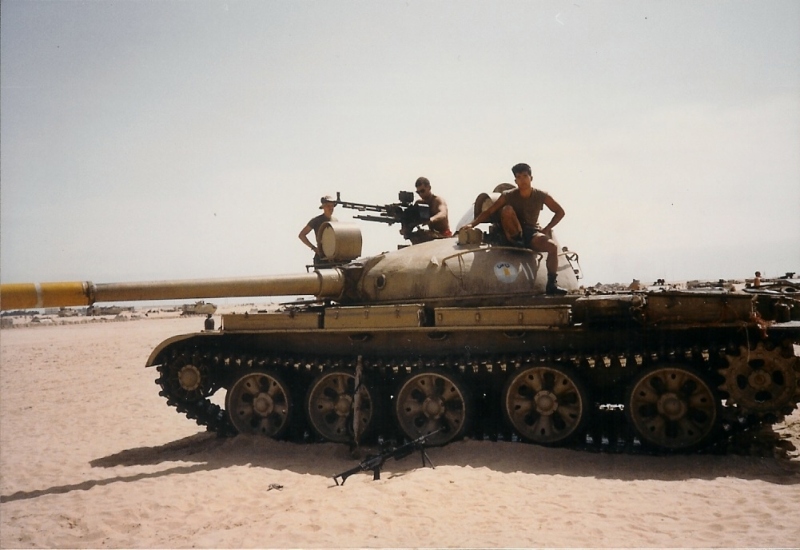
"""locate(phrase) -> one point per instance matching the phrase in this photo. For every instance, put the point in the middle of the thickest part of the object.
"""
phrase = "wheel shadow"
(207, 452)
(327, 459)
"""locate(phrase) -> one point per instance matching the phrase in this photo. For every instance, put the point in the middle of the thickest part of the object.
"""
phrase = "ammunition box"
(272, 321)
(689, 308)
(531, 316)
(372, 317)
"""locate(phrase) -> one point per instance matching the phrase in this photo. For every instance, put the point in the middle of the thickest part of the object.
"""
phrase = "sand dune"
(91, 456)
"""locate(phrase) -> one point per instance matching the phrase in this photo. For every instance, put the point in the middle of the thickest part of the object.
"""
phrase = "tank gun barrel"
(324, 283)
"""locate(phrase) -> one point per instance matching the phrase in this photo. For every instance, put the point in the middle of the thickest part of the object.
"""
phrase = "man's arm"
(486, 214)
(441, 210)
(558, 213)
(303, 237)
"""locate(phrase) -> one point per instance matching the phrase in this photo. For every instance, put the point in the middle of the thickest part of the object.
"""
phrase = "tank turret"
(440, 271)
(456, 337)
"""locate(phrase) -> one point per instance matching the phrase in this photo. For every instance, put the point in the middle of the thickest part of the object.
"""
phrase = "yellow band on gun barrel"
(41, 295)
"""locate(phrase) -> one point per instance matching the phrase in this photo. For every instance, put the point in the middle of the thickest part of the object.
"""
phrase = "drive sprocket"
(762, 381)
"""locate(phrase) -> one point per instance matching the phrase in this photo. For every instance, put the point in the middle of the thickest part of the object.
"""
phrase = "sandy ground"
(91, 456)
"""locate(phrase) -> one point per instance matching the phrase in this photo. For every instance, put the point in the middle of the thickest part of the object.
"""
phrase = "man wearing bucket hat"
(327, 204)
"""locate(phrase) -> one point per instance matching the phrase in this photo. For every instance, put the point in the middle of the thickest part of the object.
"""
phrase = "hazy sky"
(168, 139)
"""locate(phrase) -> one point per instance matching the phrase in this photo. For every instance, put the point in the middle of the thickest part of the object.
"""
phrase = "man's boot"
(552, 289)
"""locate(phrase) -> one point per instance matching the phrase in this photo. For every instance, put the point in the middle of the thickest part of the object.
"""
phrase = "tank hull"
(499, 357)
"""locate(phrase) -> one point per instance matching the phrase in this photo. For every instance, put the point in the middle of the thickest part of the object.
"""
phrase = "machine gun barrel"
(390, 213)
(406, 212)
(361, 207)
(324, 283)
(381, 219)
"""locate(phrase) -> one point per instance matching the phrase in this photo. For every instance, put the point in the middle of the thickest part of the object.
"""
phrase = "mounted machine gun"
(405, 212)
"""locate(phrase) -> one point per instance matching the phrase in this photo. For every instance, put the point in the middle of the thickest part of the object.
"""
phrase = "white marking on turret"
(505, 272)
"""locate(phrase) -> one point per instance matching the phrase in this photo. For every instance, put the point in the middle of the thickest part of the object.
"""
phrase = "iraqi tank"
(456, 337)
(198, 308)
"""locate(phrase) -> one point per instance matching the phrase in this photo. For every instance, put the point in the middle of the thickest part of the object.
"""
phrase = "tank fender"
(153, 360)
(604, 308)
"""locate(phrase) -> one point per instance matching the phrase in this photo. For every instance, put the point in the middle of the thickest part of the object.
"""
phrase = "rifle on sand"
(375, 462)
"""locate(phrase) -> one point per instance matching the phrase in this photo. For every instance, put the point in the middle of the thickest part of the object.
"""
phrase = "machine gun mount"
(405, 212)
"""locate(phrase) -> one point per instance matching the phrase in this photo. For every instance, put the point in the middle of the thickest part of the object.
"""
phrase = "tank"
(455, 337)
(198, 308)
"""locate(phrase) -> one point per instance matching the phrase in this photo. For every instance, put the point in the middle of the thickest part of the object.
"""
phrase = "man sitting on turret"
(519, 216)
(439, 224)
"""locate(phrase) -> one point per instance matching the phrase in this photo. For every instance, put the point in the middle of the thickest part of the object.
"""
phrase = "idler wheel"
(546, 404)
(330, 406)
(432, 400)
(189, 377)
(762, 381)
(673, 408)
(259, 403)
(186, 377)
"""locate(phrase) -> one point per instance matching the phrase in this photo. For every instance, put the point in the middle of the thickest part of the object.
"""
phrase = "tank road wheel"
(432, 400)
(763, 381)
(672, 408)
(259, 403)
(546, 404)
(330, 406)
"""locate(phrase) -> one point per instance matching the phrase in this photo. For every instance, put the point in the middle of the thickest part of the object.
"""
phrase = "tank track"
(606, 431)
(194, 402)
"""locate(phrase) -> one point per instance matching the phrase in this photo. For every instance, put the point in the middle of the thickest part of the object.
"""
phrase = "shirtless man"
(519, 216)
(438, 225)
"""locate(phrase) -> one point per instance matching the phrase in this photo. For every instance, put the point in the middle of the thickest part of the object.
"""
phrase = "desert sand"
(91, 456)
